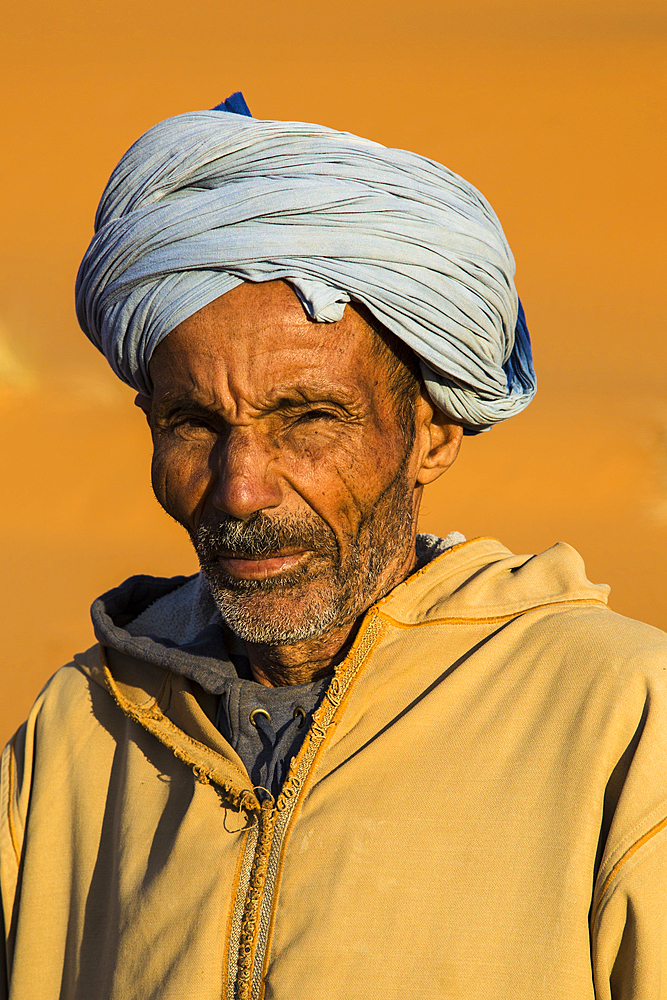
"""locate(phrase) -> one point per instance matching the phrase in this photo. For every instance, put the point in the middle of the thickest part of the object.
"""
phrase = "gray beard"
(316, 614)
(319, 595)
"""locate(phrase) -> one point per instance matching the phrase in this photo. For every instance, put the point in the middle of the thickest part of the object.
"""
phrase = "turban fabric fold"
(209, 199)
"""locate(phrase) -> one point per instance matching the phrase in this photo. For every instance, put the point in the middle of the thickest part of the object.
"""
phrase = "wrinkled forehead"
(258, 341)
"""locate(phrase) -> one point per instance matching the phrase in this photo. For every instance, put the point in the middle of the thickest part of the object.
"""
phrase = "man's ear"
(144, 403)
(441, 441)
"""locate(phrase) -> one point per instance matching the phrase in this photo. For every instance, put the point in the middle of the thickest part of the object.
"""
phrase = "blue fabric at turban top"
(207, 200)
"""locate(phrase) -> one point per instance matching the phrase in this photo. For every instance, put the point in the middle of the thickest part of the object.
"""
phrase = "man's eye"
(317, 415)
(191, 423)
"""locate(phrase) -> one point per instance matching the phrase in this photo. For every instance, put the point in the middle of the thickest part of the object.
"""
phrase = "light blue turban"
(207, 200)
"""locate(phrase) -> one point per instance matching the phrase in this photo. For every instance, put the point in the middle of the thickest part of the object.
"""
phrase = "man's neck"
(301, 662)
(309, 660)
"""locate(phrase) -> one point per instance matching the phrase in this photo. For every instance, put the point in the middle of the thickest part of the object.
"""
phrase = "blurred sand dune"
(15, 376)
(552, 108)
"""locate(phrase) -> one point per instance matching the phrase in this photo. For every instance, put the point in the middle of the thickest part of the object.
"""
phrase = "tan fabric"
(487, 772)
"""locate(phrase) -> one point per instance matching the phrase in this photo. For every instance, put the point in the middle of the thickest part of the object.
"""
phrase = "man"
(345, 760)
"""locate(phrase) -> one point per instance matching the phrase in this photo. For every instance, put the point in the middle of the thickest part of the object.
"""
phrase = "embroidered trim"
(258, 911)
(249, 928)
(239, 891)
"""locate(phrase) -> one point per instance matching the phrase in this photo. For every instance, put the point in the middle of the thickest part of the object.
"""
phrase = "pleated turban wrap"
(207, 200)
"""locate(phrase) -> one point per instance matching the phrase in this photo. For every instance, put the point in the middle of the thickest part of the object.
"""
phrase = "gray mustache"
(261, 536)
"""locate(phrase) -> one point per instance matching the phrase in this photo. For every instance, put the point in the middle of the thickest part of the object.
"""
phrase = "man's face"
(277, 446)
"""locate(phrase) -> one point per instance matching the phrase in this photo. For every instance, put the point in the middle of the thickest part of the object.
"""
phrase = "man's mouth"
(245, 567)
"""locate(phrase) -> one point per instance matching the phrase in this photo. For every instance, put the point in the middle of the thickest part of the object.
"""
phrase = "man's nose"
(246, 479)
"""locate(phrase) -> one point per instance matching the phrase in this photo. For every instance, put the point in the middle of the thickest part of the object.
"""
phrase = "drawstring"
(272, 763)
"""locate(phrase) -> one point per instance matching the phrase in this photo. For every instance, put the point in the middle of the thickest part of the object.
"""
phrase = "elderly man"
(345, 760)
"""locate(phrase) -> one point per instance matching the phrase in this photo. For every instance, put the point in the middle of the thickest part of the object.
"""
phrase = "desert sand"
(551, 109)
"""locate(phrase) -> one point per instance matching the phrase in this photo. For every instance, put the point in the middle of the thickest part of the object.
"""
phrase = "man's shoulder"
(64, 699)
(597, 642)
(58, 729)
(68, 688)
(553, 609)
(77, 699)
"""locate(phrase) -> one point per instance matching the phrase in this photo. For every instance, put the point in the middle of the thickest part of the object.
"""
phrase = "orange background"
(553, 109)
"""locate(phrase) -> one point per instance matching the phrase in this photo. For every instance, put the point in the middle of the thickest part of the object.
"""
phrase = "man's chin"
(274, 612)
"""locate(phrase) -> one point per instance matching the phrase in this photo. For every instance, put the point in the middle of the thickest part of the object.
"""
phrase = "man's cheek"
(346, 459)
(363, 480)
(180, 484)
